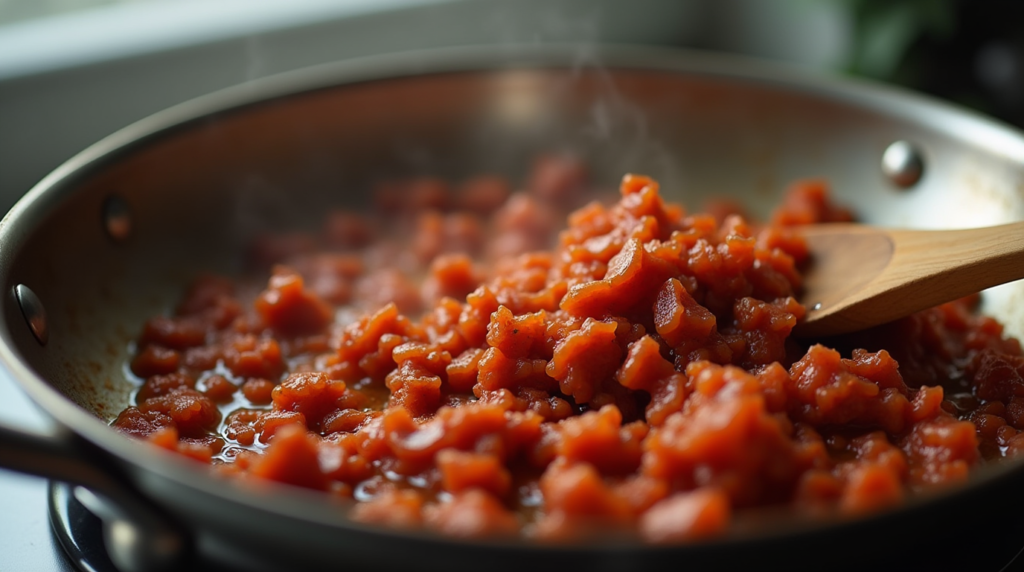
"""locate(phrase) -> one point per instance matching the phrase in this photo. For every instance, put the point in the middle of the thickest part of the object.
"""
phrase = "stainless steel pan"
(111, 238)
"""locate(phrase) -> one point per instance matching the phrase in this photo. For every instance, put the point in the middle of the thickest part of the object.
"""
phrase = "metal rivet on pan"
(117, 219)
(33, 311)
(902, 164)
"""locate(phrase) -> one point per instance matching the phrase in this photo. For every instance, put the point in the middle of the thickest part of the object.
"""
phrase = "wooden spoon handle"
(926, 268)
(932, 267)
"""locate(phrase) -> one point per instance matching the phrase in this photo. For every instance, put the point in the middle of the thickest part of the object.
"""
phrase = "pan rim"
(15, 227)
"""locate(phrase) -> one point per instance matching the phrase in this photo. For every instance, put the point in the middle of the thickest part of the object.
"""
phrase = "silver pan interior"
(196, 193)
(199, 180)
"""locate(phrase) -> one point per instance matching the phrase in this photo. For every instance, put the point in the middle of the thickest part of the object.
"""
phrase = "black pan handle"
(54, 452)
(138, 536)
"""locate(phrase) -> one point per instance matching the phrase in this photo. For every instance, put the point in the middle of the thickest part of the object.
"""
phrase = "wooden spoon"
(861, 276)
